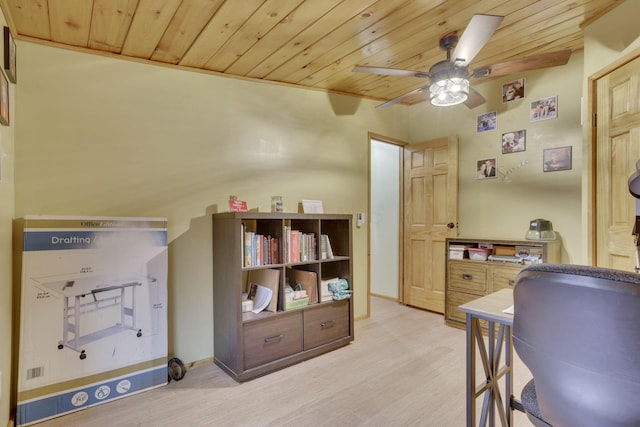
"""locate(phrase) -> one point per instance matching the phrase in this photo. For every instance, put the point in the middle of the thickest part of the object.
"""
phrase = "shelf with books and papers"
(294, 322)
(260, 242)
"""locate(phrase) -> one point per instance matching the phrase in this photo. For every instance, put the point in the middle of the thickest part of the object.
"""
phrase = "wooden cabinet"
(248, 345)
(469, 279)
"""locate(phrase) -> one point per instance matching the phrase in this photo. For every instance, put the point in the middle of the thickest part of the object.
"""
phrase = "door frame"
(401, 144)
(591, 203)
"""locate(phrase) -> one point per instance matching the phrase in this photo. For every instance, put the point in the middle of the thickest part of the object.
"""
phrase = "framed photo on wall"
(513, 142)
(544, 109)
(486, 122)
(4, 99)
(10, 56)
(513, 91)
(556, 159)
(486, 168)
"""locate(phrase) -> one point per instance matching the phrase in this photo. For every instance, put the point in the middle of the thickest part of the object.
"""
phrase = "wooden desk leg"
(472, 325)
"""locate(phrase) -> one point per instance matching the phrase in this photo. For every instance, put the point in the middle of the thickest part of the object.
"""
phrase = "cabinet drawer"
(454, 299)
(271, 339)
(468, 277)
(326, 323)
(503, 277)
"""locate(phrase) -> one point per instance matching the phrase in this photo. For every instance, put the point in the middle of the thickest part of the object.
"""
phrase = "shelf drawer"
(326, 323)
(468, 277)
(271, 339)
(454, 299)
(503, 277)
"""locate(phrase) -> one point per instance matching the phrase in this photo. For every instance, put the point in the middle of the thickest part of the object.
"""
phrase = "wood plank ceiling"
(309, 43)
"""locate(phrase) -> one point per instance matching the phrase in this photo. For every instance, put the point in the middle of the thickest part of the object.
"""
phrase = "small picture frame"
(513, 142)
(513, 91)
(544, 109)
(556, 159)
(10, 66)
(487, 122)
(486, 168)
(4, 99)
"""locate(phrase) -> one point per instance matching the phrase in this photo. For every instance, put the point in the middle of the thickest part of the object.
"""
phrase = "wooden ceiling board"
(184, 28)
(315, 57)
(313, 33)
(222, 26)
(110, 23)
(257, 26)
(308, 43)
(288, 27)
(148, 26)
(71, 21)
(32, 15)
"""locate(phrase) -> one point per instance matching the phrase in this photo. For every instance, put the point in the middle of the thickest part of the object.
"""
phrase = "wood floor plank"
(405, 368)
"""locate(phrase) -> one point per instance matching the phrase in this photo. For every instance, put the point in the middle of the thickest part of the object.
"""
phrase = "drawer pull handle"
(512, 282)
(467, 277)
(327, 324)
(272, 339)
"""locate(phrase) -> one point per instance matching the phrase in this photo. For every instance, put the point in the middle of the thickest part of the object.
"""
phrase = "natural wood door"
(617, 151)
(431, 214)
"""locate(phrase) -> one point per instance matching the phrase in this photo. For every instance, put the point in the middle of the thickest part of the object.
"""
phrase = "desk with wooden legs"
(490, 309)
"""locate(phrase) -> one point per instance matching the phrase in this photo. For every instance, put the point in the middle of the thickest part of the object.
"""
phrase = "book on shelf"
(326, 252)
(259, 249)
(269, 278)
(295, 298)
(325, 293)
(294, 256)
(299, 246)
(261, 297)
(308, 281)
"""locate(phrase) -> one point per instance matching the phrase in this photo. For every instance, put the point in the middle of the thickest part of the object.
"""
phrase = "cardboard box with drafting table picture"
(92, 293)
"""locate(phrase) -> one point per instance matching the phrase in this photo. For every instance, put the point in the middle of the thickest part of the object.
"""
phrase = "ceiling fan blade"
(403, 97)
(389, 71)
(474, 99)
(474, 37)
(535, 62)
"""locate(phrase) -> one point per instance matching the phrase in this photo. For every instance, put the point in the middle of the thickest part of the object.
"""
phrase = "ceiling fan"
(449, 79)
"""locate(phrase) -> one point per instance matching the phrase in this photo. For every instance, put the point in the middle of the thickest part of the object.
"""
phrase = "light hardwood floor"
(405, 368)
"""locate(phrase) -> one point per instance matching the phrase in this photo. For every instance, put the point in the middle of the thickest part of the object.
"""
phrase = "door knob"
(451, 225)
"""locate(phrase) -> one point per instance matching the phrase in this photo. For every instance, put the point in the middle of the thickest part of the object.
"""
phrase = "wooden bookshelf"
(248, 345)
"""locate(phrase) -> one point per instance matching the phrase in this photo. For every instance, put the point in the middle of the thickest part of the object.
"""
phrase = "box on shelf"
(479, 254)
(457, 251)
(504, 250)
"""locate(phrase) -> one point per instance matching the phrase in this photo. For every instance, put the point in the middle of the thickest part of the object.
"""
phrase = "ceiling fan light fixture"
(451, 87)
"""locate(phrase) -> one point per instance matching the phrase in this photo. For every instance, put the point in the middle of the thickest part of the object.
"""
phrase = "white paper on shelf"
(508, 310)
(262, 298)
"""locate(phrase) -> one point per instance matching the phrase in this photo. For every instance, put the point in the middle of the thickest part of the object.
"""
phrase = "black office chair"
(577, 328)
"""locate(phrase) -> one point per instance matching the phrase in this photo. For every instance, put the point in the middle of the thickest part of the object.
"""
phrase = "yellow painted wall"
(494, 208)
(100, 136)
(6, 216)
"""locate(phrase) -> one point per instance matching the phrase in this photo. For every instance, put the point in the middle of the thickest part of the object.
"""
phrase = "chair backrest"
(577, 328)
